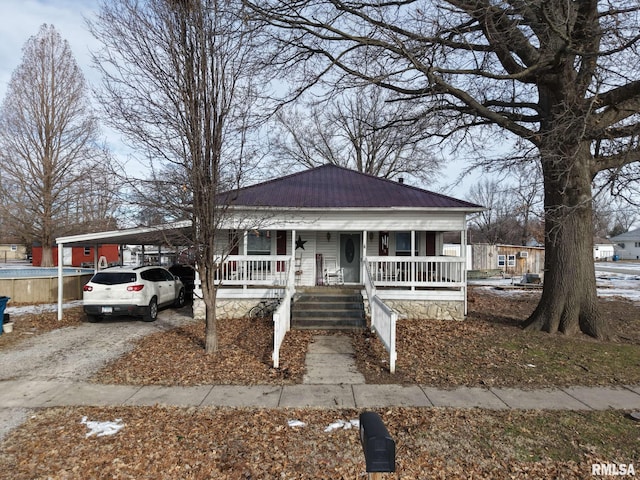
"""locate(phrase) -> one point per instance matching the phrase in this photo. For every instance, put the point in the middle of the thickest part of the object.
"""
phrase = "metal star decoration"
(300, 243)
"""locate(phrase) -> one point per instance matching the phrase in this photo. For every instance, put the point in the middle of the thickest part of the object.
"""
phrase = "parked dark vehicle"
(186, 273)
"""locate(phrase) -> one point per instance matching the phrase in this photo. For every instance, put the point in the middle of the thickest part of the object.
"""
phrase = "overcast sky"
(23, 18)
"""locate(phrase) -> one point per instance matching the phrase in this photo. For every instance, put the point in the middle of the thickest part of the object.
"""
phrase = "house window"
(403, 244)
(259, 242)
(511, 261)
(87, 251)
(637, 244)
(502, 260)
(14, 248)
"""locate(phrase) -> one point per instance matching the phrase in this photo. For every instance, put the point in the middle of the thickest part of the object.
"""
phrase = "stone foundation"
(451, 310)
(225, 308)
(199, 309)
(426, 309)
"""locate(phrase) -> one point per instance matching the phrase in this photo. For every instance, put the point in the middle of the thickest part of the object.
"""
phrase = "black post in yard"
(378, 446)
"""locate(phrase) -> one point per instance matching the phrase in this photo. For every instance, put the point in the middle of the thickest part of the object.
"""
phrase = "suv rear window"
(113, 278)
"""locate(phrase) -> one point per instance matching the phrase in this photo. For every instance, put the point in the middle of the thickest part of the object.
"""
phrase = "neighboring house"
(11, 249)
(80, 256)
(603, 249)
(299, 230)
(512, 260)
(627, 245)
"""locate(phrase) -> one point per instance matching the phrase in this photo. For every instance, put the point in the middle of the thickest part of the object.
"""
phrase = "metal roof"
(330, 186)
(324, 187)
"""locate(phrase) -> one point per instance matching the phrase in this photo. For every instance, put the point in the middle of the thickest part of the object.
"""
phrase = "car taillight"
(87, 288)
(134, 288)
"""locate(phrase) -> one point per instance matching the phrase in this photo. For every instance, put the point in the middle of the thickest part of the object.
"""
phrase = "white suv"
(137, 291)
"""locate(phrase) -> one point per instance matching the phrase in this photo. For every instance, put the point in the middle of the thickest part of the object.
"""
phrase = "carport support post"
(60, 279)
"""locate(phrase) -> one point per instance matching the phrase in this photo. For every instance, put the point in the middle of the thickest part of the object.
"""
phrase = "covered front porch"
(403, 265)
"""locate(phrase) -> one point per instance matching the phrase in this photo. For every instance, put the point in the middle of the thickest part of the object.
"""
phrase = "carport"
(167, 234)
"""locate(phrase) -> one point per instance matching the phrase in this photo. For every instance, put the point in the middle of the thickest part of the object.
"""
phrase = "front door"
(350, 257)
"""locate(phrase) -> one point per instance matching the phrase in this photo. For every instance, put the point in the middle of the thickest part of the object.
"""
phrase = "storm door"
(350, 257)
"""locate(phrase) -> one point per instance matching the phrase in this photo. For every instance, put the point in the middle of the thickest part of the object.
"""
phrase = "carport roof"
(157, 234)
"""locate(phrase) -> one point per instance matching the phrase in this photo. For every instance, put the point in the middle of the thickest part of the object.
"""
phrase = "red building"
(78, 256)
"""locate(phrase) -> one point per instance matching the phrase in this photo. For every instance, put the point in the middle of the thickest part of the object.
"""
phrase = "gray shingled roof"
(632, 235)
(330, 186)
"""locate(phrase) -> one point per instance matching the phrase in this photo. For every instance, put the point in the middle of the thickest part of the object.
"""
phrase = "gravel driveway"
(76, 353)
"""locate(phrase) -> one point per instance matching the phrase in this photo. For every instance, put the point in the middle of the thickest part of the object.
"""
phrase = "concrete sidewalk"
(39, 394)
(332, 380)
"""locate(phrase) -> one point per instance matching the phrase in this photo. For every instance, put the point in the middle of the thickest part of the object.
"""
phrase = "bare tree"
(528, 201)
(559, 76)
(48, 140)
(492, 225)
(362, 129)
(178, 82)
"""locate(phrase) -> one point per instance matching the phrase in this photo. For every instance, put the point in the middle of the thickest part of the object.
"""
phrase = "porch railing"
(383, 320)
(417, 271)
(281, 323)
(254, 270)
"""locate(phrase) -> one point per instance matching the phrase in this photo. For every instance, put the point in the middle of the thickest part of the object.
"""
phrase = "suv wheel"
(92, 318)
(180, 299)
(152, 311)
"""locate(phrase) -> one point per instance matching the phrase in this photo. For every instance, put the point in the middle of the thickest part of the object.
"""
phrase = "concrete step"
(329, 313)
(328, 308)
(328, 324)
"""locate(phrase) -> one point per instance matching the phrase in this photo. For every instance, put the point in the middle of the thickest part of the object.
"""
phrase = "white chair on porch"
(333, 275)
(298, 269)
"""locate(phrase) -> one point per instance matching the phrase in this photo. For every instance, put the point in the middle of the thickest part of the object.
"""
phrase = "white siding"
(308, 257)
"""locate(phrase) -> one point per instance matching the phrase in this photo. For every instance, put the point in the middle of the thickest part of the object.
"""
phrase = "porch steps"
(328, 308)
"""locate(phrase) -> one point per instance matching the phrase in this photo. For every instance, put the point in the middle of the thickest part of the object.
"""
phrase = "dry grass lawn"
(486, 350)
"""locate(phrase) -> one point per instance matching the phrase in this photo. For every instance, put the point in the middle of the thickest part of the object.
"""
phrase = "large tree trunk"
(569, 299)
(47, 255)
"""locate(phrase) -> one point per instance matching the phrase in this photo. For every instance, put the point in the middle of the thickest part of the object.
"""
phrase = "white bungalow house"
(330, 226)
(627, 245)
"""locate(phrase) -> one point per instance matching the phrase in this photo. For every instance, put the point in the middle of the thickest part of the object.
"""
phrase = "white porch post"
(413, 260)
(363, 267)
(292, 261)
(245, 246)
(463, 248)
(199, 307)
(60, 279)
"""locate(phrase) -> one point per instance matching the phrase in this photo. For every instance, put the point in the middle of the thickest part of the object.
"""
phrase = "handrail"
(383, 319)
(282, 318)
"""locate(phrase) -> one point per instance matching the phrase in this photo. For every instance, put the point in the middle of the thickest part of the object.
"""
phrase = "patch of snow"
(42, 308)
(296, 423)
(609, 284)
(102, 429)
(343, 425)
